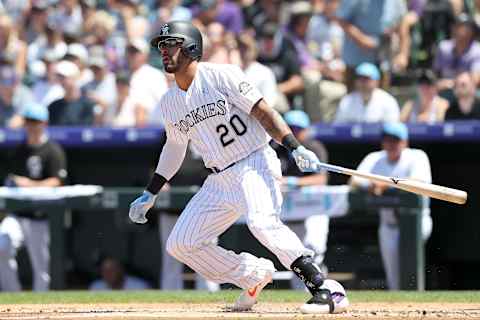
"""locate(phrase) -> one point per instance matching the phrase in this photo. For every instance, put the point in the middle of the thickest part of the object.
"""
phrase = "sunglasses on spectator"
(169, 43)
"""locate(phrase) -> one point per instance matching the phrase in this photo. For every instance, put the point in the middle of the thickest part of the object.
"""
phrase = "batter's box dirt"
(263, 310)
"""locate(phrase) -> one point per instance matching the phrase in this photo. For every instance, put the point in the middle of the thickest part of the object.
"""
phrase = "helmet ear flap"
(190, 50)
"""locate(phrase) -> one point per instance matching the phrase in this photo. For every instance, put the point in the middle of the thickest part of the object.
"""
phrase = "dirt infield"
(263, 311)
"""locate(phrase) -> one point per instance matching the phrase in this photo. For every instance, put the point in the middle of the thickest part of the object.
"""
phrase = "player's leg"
(171, 274)
(389, 237)
(262, 206)
(37, 241)
(11, 238)
(193, 239)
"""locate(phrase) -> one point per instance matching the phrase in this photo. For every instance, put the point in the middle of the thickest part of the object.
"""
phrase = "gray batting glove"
(140, 206)
(306, 160)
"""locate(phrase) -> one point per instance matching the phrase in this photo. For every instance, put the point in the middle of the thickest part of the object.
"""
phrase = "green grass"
(227, 296)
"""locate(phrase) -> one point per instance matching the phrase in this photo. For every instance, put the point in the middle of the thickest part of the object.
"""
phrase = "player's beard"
(175, 62)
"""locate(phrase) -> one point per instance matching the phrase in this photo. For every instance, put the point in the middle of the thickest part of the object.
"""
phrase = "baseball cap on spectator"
(465, 19)
(67, 69)
(268, 30)
(207, 4)
(54, 54)
(297, 118)
(35, 112)
(368, 70)
(139, 44)
(300, 8)
(89, 3)
(97, 61)
(397, 130)
(78, 51)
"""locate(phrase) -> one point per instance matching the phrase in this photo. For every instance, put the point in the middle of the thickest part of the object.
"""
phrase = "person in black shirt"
(314, 230)
(75, 108)
(465, 105)
(38, 162)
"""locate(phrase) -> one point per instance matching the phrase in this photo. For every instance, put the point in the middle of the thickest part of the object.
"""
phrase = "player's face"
(34, 129)
(393, 146)
(171, 52)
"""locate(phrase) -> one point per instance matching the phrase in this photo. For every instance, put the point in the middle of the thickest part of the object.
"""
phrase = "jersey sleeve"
(242, 93)
(366, 165)
(421, 167)
(173, 152)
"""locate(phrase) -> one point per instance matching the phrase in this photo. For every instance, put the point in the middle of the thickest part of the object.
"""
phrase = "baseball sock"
(308, 272)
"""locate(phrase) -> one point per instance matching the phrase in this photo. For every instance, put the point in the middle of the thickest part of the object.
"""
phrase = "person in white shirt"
(398, 160)
(258, 74)
(147, 84)
(114, 278)
(367, 103)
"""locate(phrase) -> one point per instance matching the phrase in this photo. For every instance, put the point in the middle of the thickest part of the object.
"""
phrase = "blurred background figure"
(14, 96)
(78, 54)
(278, 53)
(102, 89)
(75, 108)
(38, 162)
(368, 103)
(458, 54)
(122, 112)
(258, 74)
(428, 106)
(46, 87)
(147, 83)
(321, 94)
(12, 49)
(220, 47)
(465, 105)
(113, 277)
(395, 159)
(314, 230)
(369, 26)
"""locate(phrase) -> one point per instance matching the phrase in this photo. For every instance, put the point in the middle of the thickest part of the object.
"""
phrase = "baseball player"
(39, 162)
(395, 160)
(226, 120)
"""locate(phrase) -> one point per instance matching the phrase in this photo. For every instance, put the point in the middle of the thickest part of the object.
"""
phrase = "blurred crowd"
(90, 63)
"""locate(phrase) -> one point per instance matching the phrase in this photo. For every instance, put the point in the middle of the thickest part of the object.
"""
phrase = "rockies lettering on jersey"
(200, 114)
(214, 115)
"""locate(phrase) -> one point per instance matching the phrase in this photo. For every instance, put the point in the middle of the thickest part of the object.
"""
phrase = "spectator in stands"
(113, 277)
(50, 39)
(147, 84)
(258, 74)
(102, 89)
(458, 54)
(122, 112)
(367, 103)
(395, 159)
(368, 25)
(278, 53)
(46, 88)
(314, 230)
(428, 106)
(465, 105)
(321, 95)
(39, 162)
(75, 108)
(230, 16)
(264, 11)
(14, 96)
(167, 10)
(219, 48)
(36, 20)
(78, 54)
(68, 13)
(12, 49)
(99, 31)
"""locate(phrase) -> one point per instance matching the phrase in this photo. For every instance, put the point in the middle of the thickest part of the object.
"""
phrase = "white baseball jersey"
(214, 115)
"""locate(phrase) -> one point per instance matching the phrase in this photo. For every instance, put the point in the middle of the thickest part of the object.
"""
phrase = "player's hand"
(306, 160)
(140, 206)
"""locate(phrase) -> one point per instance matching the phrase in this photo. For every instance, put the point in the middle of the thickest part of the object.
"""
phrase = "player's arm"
(278, 129)
(171, 158)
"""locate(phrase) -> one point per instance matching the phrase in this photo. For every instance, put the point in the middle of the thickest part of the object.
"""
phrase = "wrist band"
(156, 183)
(290, 142)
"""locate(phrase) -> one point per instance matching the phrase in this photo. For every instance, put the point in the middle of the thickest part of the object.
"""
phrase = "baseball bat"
(410, 185)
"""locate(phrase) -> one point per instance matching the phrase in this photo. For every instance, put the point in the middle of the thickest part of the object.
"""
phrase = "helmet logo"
(165, 30)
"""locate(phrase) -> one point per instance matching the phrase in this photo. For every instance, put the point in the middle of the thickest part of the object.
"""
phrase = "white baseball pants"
(171, 273)
(251, 188)
(389, 240)
(35, 235)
